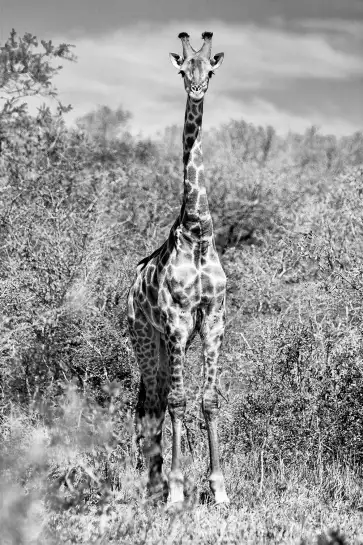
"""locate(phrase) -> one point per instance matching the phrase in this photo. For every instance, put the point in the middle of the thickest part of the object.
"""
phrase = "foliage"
(304, 400)
(106, 128)
(78, 208)
(27, 70)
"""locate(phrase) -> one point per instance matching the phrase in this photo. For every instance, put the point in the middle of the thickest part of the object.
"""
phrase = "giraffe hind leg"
(150, 411)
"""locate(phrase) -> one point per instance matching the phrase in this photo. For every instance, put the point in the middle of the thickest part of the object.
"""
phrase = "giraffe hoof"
(224, 504)
(221, 499)
(176, 487)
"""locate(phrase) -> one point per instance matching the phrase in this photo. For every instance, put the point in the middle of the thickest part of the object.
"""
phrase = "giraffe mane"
(170, 241)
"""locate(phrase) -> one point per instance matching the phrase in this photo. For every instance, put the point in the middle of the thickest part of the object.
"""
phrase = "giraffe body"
(179, 291)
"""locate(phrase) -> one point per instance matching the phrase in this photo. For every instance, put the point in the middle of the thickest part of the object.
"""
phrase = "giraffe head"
(196, 67)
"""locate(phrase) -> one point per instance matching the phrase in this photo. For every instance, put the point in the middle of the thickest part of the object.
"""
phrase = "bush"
(303, 400)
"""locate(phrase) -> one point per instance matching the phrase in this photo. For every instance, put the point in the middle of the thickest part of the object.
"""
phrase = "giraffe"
(180, 291)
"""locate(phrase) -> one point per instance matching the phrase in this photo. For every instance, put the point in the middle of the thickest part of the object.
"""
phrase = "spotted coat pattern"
(179, 291)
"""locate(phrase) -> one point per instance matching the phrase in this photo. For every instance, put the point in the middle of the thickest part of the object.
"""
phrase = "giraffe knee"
(177, 403)
(210, 403)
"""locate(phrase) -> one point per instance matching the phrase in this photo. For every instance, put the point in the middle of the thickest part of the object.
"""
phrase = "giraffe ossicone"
(179, 291)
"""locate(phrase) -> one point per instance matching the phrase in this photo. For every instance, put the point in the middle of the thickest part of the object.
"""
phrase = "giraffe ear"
(176, 60)
(217, 60)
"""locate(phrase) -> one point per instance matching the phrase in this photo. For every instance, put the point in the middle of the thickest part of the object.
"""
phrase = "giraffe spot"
(186, 156)
(144, 285)
(192, 200)
(149, 274)
(207, 285)
(198, 161)
(207, 230)
(176, 351)
(190, 141)
(203, 204)
(155, 314)
(195, 229)
(198, 119)
(138, 327)
(191, 173)
(152, 294)
(190, 117)
(190, 128)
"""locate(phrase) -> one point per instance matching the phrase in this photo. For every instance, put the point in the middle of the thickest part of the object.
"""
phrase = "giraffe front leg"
(212, 335)
(175, 345)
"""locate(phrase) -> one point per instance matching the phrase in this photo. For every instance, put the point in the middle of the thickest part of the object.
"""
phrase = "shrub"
(303, 400)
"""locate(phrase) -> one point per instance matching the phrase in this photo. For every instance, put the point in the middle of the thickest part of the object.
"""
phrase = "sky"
(288, 63)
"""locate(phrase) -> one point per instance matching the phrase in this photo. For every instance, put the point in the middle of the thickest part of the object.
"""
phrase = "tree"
(106, 127)
(26, 70)
(104, 124)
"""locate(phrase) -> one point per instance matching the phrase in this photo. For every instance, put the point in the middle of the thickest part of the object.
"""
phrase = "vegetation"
(78, 208)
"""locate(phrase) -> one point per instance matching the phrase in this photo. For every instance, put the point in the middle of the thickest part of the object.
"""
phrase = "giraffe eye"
(182, 73)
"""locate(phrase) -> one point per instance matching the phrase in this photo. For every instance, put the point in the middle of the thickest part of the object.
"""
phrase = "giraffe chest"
(179, 289)
(191, 284)
(182, 283)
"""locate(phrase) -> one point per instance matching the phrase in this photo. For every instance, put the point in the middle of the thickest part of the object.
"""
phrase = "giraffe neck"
(195, 215)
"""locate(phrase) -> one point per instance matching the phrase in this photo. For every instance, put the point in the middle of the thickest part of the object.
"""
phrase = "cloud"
(131, 67)
(262, 112)
(340, 26)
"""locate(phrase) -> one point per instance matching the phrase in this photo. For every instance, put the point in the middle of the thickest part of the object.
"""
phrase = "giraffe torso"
(184, 277)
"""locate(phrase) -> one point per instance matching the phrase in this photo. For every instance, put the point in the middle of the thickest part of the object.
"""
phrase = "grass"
(68, 477)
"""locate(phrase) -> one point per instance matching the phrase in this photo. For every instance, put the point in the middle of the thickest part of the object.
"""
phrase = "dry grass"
(71, 480)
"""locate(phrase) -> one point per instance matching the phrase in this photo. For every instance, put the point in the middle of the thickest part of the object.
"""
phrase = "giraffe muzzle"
(196, 88)
(196, 91)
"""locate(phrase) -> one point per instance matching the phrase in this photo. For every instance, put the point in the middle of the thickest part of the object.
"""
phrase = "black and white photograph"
(181, 272)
